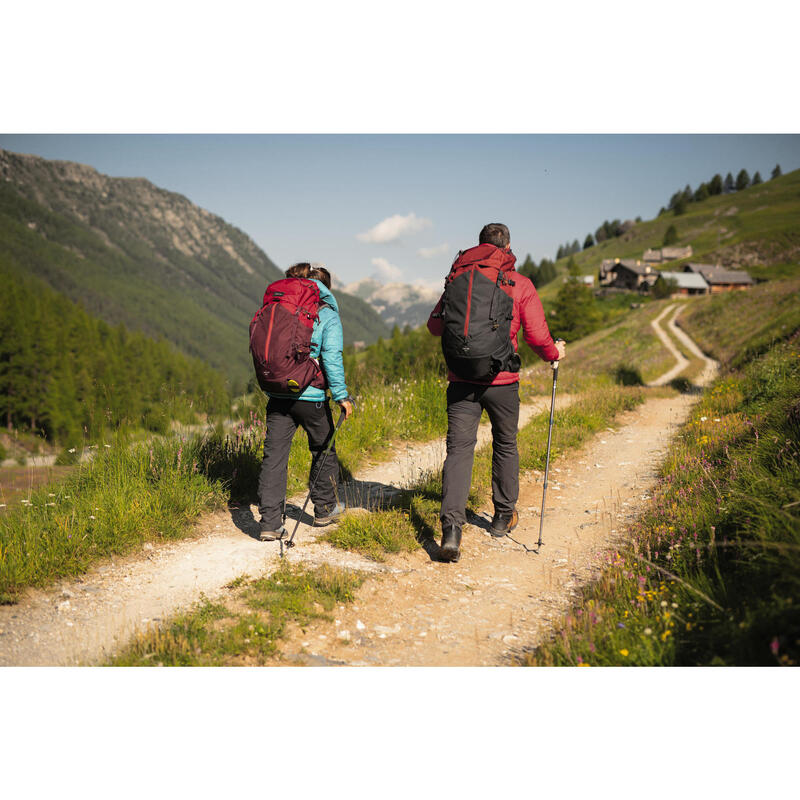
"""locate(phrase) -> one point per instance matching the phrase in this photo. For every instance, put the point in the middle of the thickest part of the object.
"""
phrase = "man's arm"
(435, 320)
(534, 325)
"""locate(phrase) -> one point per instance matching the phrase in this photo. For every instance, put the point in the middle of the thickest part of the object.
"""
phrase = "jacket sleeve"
(330, 353)
(534, 326)
(435, 321)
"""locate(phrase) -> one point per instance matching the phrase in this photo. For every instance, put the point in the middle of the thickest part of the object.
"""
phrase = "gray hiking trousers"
(283, 417)
(465, 402)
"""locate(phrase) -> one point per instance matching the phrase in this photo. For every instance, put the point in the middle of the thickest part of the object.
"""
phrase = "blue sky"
(320, 197)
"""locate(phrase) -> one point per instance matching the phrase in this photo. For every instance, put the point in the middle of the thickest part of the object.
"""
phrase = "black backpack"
(478, 309)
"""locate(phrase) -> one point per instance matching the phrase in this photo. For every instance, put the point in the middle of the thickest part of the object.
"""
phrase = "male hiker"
(484, 304)
(307, 407)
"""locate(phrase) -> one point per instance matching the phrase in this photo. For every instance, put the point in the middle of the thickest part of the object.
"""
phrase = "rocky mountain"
(398, 304)
(131, 252)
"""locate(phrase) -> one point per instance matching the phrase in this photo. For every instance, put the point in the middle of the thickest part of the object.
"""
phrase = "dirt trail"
(85, 619)
(482, 610)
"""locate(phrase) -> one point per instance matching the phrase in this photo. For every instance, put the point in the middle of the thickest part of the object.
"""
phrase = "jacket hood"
(326, 296)
(487, 254)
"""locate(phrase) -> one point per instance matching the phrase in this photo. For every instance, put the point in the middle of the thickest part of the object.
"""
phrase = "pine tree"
(715, 185)
(680, 206)
(560, 253)
(688, 194)
(671, 236)
(528, 267)
(729, 185)
(600, 234)
(756, 179)
(701, 193)
(588, 241)
(742, 180)
(575, 248)
(776, 173)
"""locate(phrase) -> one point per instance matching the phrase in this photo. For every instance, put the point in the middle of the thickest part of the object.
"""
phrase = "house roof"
(635, 266)
(686, 280)
(716, 275)
(671, 253)
(651, 255)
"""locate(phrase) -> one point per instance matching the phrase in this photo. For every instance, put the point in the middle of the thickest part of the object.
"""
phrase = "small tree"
(664, 287)
(639, 219)
(560, 252)
(575, 248)
(702, 193)
(671, 236)
(661, 211)
(742, 180)
(576, 311)
(729, 186)
(776, 173)
(680, 207)
(688, 194)
(715, 185)
(756, 179)
(588, 241)
(528, 267)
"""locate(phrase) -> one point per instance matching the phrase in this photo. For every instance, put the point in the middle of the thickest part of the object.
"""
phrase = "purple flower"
(774, 645)
(620, 624)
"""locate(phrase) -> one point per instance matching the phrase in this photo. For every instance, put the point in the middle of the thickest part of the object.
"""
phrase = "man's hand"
(347, 407)
(561, 346)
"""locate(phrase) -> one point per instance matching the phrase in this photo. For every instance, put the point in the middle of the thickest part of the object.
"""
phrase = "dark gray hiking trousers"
(465, 401)
(283, 417)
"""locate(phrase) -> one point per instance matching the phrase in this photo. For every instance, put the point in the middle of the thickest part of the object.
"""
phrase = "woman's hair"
(301, 270)
(322, 275)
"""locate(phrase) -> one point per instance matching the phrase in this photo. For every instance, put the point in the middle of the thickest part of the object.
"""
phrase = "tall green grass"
(126, 496)
(712, 574)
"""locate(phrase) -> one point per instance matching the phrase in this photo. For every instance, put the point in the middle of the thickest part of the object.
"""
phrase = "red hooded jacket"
(528, 311)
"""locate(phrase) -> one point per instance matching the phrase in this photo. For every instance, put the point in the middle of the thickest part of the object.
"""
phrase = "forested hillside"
(68, 376)
(131, 252)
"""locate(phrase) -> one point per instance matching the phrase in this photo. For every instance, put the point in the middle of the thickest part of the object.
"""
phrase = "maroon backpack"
(280, 337)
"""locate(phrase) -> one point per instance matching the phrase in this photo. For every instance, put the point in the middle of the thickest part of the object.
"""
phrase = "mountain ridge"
(130, 251)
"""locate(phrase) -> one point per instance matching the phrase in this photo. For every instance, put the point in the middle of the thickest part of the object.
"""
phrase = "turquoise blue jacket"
(327, 340)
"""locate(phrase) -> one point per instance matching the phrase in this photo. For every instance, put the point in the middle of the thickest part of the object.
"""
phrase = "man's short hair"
(495, 233)
(300, 270)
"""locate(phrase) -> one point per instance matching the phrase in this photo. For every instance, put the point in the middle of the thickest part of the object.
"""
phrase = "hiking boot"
(503, 524)
(268, 534)
(331, 516)
(451, 542)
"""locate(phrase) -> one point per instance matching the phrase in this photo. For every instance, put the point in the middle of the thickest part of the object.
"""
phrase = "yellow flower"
(623, 652)
(584, 664)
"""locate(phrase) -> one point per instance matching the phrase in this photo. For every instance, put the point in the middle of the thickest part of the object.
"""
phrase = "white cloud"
(385, 271)
(392, 228)
(432, 252)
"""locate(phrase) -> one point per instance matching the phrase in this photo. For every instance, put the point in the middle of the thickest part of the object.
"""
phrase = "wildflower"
(620, 624)
(92, 516)
(648, 631)
(584, 664)
(49, 504)
(663, 604)
(774, 645)
(71, 450)
(674, 605)
(623, 653)
(107, 445)
(50, 494)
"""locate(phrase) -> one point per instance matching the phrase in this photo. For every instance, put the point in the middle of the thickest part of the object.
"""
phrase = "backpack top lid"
(294, 292)
(485, 255)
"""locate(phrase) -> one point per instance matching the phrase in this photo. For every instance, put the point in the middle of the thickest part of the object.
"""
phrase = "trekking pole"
(554, 364)
(321, 457)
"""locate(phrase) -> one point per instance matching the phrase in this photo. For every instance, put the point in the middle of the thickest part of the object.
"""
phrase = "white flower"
(50, 504)
(107, 445)
(50, 494)
(663, 604)
(674, 605)
(71, 450)
(647, 631)
(703, 419)
(92, 516)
